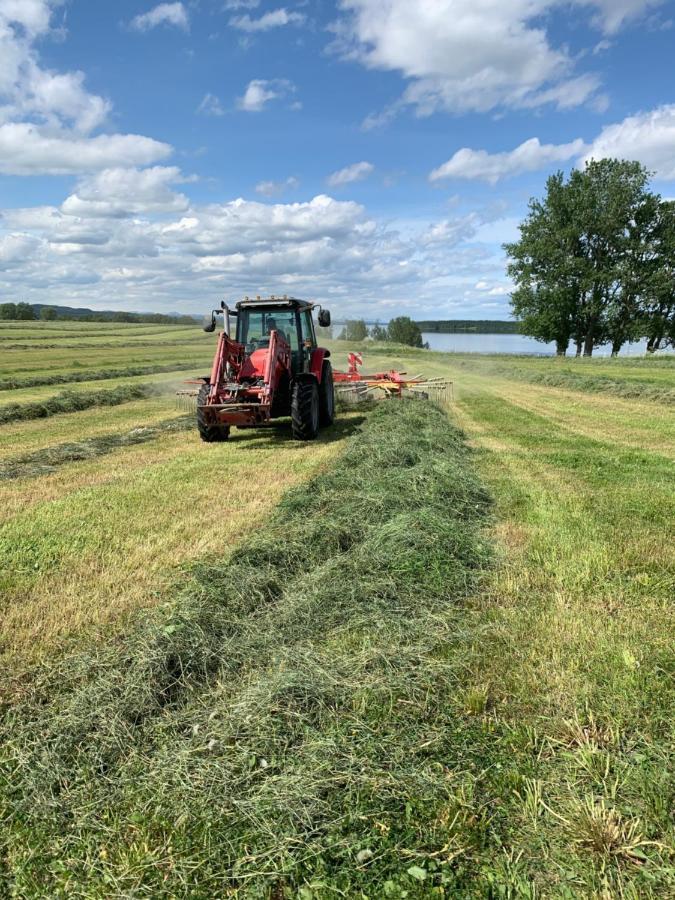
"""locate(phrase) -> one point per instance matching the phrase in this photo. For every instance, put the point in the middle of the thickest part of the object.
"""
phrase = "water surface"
(513, 343)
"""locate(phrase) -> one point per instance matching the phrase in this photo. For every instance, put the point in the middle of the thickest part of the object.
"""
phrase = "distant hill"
(469, 326)
(84, 314)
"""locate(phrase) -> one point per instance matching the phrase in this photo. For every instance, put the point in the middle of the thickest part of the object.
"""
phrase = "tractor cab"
(290, 318)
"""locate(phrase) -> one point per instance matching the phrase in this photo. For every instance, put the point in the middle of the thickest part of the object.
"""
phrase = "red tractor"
(273, 368)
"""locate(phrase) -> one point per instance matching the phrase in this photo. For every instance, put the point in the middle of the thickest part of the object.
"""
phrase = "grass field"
(395, 689)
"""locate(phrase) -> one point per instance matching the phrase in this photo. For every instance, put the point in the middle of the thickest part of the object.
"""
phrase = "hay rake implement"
(353, 386)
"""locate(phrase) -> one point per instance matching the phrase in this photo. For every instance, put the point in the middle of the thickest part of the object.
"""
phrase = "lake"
(512, 343)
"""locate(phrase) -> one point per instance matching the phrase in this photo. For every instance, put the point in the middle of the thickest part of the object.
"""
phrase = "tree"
(583, 254)
(545, 267)
(48, 314)
(657, 315)
(24, 311)
(378, 332)
(354, 330)
(7, 311)
(403, 330)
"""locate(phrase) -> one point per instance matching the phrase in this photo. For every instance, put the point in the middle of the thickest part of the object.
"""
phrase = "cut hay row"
(287, 723)
(585, 383)
(69, 401)
(47, 460)
(18, 382)
(126, 343)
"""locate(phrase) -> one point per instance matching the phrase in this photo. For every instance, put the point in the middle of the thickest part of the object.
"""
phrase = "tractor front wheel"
(326, 396)
(305, 410)
(208, 432)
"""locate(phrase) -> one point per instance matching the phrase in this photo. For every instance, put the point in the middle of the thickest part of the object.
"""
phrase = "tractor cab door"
(307, 339)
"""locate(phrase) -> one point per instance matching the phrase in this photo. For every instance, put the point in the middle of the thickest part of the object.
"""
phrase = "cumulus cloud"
(260, 91)
(163, 14)
(492, 167)
(274, 188)
(123, 192)
(26, 150)
(276, 18)
(462, 55)
(356, 172)
(648, 137)
(46, 117)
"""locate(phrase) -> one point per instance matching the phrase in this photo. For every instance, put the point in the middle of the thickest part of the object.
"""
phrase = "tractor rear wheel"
(305, 409)
(326, 396)
(208, 432)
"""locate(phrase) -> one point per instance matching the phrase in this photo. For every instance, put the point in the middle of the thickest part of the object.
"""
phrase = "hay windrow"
(71, 401)
(72, 377)
(47, 460)
(287, 720)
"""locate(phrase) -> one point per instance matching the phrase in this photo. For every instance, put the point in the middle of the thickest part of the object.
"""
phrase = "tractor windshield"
(255, 327)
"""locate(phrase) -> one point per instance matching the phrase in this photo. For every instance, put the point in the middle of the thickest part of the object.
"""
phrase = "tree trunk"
(616, 346)
(561, 346)
(579, 345)
(588, 343)
(653, 344)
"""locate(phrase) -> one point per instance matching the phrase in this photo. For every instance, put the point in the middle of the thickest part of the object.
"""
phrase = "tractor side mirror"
(209, 323)
(324, 318)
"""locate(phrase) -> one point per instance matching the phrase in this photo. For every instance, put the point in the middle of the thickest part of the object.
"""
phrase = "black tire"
(305, 409)
(207, 432)
(326, 396)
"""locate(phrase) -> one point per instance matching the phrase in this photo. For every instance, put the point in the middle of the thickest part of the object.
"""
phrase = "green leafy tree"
(354, 330)
(403, 330)
(581, 261)
(48, 314)
(378, 332)
(24, 311)
(7, 311)
(658, 307)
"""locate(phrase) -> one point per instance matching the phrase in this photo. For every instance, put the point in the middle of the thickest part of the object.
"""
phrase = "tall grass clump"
(70, 401)
(285, 726)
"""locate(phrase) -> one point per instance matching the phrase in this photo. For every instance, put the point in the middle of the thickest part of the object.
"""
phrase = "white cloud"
(356, 172)
(491, 167)
(46, 117)
(26, 150)
(162, 14)
(211, 106)
(274, 188)
(648, 137)
(123, 192)
(462, 55)
(260, 91)
(276, 18)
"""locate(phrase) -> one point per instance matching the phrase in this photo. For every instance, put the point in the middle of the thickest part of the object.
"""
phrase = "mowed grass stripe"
(29, 436)
(47, 459)
(71, 377)
(85, 547)
(575, 659)
(72, 401)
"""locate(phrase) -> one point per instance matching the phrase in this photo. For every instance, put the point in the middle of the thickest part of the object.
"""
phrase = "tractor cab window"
(256, 325)
(308, 327)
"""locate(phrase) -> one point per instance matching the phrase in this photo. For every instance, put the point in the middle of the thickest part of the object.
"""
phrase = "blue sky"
(371, 154)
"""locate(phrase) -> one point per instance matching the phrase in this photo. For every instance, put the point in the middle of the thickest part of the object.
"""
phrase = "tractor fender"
(316, 362)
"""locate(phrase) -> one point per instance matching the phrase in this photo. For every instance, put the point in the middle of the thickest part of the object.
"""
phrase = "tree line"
(27, 312)
(595, 262)
(401, 330)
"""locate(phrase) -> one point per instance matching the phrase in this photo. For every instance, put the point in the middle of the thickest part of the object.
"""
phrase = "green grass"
(398, 697)
(72, 401)
(300, 691)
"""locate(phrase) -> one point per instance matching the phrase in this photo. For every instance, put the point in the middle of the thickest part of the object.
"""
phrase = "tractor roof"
(281, 302)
